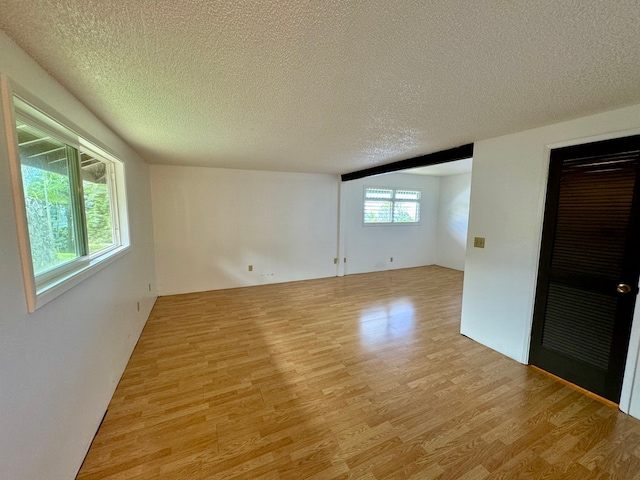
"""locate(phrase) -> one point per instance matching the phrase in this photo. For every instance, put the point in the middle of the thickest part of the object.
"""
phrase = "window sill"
(390, 224)
(60, 285)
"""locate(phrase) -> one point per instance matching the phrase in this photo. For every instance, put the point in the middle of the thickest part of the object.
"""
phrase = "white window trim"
(390, 224)
(42, 292)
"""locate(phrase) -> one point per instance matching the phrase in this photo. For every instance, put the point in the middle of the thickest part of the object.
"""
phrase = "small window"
(391, 206)
(71, 208)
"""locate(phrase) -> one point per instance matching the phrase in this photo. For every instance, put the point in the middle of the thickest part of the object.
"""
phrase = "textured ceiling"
(329, 86)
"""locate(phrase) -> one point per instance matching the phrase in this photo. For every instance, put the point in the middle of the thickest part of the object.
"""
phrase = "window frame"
(393, 201)
(18, 103)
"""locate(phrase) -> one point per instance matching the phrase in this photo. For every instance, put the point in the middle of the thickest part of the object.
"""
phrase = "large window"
(69, 202)
(391, 206)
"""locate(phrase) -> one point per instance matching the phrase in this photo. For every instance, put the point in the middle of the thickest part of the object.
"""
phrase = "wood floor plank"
(359, 377)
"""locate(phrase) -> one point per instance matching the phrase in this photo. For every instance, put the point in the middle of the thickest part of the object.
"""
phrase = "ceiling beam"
(457, 153)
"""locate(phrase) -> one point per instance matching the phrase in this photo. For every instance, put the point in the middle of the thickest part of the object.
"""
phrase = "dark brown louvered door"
(590, 257)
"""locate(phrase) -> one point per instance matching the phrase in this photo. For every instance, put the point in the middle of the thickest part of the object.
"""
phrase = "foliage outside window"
(98, 205)
(72, 204)
(391, 206)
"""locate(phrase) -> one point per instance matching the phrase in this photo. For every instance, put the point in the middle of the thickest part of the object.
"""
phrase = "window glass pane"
(377, 211)
(46, 181)
(405, 212)
(379, 193)
(407, 195)
(97, 202)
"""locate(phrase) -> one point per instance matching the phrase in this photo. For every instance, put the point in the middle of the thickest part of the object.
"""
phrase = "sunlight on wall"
(458, 218)
(453, 215)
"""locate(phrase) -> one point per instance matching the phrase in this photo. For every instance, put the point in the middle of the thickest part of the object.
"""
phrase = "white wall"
(453, 219)
(211, 224)
(507, 205)
(60, 365)
(370, 248)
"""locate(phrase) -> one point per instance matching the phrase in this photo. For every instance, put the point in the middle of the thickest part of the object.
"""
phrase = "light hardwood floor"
(364, 376)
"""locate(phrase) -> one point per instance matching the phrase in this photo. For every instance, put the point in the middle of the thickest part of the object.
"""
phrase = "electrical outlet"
(138, 305)
(251, 268)
(478, 242)
(391, 259)
(149, 287)
(335, 261)
(345, 260)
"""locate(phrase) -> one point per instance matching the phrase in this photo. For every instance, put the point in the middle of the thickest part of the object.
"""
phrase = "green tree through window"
(48, 198)
(97, 203)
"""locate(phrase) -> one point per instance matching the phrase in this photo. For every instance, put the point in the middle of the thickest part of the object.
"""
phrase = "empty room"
(319, 240)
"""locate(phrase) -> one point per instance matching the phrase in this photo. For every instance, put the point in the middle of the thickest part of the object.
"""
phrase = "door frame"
(632, 364)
